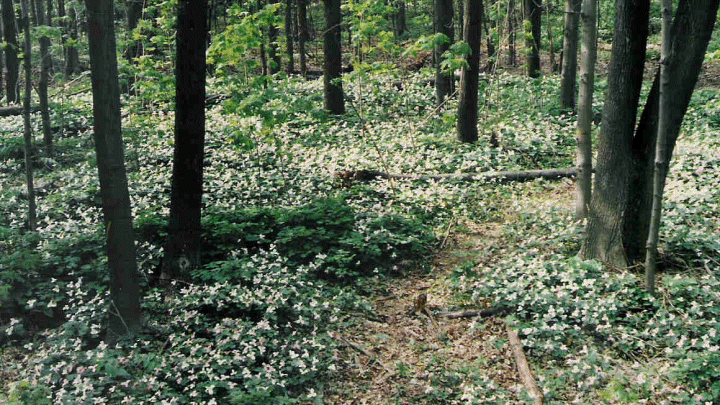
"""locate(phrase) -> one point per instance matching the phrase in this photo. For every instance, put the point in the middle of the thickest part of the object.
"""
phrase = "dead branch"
(500, 177)
(485, 313)
(16, 110)
(522, 366)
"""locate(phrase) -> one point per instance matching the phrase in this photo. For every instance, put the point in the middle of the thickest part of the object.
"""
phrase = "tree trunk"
(332, 66)
(533, 18)
(468, 100)
(124, 312)
(182, 251)
(691, 30)
(72, 59)
(302, 35)
(570, 47)
(399, 20)
(491, 51)
(444, 25)
(661, 162)
(134, 49)
(263, 56)
(289, 36)
(11, 59)
(273, 53)
(512, 56)
(588, 55)
(461, 18)
(43, 83)
(27, 133)
(610, 197)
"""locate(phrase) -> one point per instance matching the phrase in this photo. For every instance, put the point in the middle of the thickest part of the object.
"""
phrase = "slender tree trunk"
(134, 49)
(11, 59)
(491, 51)
(614, 161)
(512, 55)
(461, 18)
(468, 99)
(273, 53)
(27, 133)
(43, 83)
(399, 21)
(691, 31)
(263, 56)
(332, 67)
(661, 162)
(444, 25)
(125, 316)
(551, 41)
(570, 46)
(289, 36)
(588, 55)
(72, 59)
(533, 18)
(182, 251)
(302, 35)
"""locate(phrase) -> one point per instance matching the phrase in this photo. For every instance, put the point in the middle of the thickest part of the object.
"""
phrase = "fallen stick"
(501, 177)
(484, 313)
(522, 366)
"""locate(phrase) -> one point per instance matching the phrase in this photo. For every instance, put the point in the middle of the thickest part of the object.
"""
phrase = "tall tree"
(622, 197)
(11, 59)
(468, 100)
(661, 163)
(182, 250)
(443, 25)
(512, 56)
(568, 76)
(133, 13)
(72, 59)
(302, 34)
(332, 63)
(289, 36)
(273, 53)
(27, 132)
(125, 316)
(533, 20)
(588, 55)
(609, 199)
(399, 18)
(43, 83)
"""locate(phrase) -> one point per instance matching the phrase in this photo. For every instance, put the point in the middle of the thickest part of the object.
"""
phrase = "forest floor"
(401, 357)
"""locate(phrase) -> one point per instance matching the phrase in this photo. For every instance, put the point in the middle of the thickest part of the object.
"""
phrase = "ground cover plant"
(308, 276)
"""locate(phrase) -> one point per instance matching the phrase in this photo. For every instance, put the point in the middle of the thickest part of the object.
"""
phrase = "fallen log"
(500, 177)
(522, 365)
(16, 110)
(483, 313)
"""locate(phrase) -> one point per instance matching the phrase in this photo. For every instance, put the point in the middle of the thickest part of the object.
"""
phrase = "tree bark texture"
(399, 18)
(610, 196)
(290, 50)
(468, 100)
(691, 31)
(27, 125)
(302, 34)
(124, 312)
(11, 59)
(588, 55)
(443, 25)
(332, 64)
(661, 162)
(533, 14)
(512, 56)
(182, 251)
(568, 77)
(43, 83)
(72, 59)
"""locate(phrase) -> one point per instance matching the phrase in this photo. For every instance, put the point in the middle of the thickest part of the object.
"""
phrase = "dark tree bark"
(11, 59)
(491, 51)
(263, 56)
(43, 83)
(399, 18)
(533, 14)
(27, 133)
(133, 14)
(125, 316)
(461, 18)
(691, 30)
(444, 25)
(568, 77)
(332, 64)
(289, 36)
(302, 34)
(182, 250)
(468, 99)
(72, 59)
(610, 196)
(273, 53)
(512, 55)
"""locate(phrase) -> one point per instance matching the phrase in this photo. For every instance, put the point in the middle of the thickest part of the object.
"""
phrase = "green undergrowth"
(292, 251)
